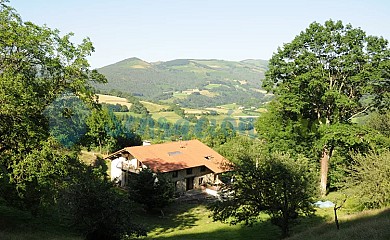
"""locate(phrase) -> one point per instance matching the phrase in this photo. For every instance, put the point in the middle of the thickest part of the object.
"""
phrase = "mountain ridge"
(213, 81)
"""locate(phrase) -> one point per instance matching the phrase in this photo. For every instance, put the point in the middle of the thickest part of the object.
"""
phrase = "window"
(175, 174)
(203, 169)
(200, 181)
(189, 171)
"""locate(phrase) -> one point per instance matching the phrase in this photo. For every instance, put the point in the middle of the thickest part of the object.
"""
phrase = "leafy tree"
(37, 66)
(380, 122)
(104, 129)
(370, 174)
(99, 124)
(240, 147)
(280, 133)
(328, 75)
(152, 190)
(39, 176)
(276, 185)
(178, 110)
(139, 108)
(66, 117)
(95, 208)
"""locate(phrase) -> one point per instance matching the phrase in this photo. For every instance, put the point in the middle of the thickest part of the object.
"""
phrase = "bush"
(277, 185)
(371, 174)
(98, 210)
(152, 190)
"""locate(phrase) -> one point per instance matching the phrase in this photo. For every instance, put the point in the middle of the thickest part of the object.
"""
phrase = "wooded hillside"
(189, 82)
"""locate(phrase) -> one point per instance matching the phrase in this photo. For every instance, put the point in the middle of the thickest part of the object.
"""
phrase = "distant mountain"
(189, 82)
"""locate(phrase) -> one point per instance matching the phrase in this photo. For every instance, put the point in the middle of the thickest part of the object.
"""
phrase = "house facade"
(190, 164)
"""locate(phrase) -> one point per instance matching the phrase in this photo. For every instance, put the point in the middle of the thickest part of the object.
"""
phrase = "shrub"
(371, 174)
(98, 210)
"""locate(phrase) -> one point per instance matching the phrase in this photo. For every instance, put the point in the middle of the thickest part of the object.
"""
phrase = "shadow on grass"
(364, 225)
(191, 221)
(260, 231)
(18, 224)
(179, 216)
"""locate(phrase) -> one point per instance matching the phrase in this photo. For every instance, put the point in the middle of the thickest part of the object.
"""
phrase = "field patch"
(213, 85)
(153, 107)
(113, 100)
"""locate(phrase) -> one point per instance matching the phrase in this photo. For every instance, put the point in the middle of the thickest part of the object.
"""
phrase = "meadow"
(190, 220)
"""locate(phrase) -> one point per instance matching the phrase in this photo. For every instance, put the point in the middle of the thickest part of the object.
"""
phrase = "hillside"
(189, 82)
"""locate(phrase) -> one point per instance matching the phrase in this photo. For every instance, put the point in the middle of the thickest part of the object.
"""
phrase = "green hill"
(189, 82)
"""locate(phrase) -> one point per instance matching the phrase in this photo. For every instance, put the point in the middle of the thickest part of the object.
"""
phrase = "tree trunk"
(324, 170)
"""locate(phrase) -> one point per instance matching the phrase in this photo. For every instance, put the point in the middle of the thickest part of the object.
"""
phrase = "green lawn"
(191, 221)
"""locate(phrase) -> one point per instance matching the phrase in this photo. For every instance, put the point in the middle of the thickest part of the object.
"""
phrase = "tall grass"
(372, 225)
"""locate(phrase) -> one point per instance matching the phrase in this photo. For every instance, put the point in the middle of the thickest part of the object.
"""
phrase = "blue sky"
(156, 30)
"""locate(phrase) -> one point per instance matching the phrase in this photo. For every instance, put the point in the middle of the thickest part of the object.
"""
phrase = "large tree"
(37, 65)
(274, 184)
(328, 75)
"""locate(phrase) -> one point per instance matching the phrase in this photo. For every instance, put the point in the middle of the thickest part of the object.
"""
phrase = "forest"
(326, 132)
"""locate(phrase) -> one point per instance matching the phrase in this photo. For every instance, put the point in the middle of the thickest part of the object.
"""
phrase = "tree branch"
(356, 114)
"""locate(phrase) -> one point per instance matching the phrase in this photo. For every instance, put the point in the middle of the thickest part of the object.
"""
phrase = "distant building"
(190, 164)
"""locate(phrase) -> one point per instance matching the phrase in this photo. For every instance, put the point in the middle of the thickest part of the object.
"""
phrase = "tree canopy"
(37, 66)
(328, 75)
(274, 184)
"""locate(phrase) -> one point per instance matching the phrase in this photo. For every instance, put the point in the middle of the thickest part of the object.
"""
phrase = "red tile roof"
(167, 157)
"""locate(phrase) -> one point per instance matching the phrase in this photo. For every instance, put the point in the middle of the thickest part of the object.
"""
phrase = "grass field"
(190, 220)
(180, 95)
(229, 112)
(373, 225)
(213, 85)
(153, 107)
(113, 100)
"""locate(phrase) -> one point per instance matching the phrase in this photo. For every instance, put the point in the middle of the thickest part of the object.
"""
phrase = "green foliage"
(326, 70)
(137, 107)
(292, 134)
(38, 65)
(95, 208)
(239, 148)
(208, 131)
(347, 140)
(43, 77)
(38, 176)
(276, 185)
(380, 122)
(370, 173)
(178, 110)
(115, 107)
(105, 130)
(152, 190)
(325, 77)
(66, 117)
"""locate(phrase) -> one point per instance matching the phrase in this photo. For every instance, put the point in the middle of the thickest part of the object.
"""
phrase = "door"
(189, 183)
